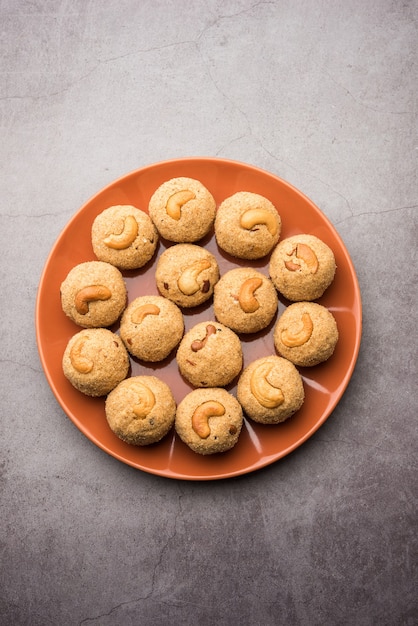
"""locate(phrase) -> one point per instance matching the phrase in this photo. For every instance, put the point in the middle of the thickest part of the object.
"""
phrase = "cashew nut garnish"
(146, 400)
(141, 312)
(78, 361)
(252, 217)
(201, 415)
(306, 254)
(198, 344)
(187, 282)
(90, 294)
(246, 297)
(124, 239)
(264, 392)
(176, 201)
(302, 334)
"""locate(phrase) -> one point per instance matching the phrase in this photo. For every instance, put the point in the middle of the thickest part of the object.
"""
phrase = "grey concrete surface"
(322, 94)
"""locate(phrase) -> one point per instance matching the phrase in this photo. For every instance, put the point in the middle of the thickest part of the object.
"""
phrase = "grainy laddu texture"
(141, 410)
(182, 209)
(306, 333)
(302, 267)
(215, 412)
(93, 294)
(186, 274)
(270, 390)
(245, 300)
(95, 361)
(124, 236)
(247, 225)
(210, 355)
(151, 327)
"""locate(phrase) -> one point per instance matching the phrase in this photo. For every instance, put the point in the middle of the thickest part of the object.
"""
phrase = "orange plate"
(258, 445)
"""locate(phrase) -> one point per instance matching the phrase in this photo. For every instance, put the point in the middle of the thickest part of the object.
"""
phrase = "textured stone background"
(321, 93)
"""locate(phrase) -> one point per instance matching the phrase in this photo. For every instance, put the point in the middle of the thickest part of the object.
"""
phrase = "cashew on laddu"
(198, 344)
(88, 294)
(246, 298)
(79, 362)
(265, 393)
(146, 400)
(176, 201)
(301, 335)
(188, 281)
(122, 240)
(253, 217)
(141, 312)
(202, 414)
(306, 254)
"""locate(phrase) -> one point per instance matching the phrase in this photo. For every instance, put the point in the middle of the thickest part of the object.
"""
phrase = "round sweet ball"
(93, 294)
(182, 209)
(95, 361)
(124, 236)
(306, 334)
(270, 390)
(141, 410)
(209, 420)
(186, 274)
(209, 355)
(245, 300)
(247, 225)
(302, 267)
(151, 327)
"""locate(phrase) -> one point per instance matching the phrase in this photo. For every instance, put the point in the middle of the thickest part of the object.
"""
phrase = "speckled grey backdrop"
(321, 93)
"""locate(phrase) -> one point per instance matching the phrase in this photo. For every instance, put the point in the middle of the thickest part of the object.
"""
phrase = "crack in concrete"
(358, 444)
(157, 565)
(165, 547)
(338, 193)
(52, 94)
(21, 365)
(251, 8)
(136, 52)
(357, 100)
(36, 215)
(98, 63)
(393, 210)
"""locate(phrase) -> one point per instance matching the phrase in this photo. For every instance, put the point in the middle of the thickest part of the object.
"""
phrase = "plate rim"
(345, 380)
